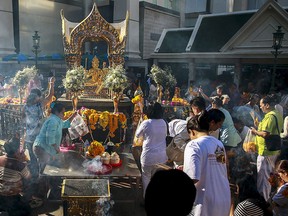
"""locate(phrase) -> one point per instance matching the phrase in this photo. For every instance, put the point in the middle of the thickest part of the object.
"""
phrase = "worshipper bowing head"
(12, 147)
(197, 105)
(216, 119)
(198, 123)
(170, 193)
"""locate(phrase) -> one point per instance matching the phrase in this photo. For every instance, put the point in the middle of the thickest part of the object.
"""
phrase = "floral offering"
(95, 148)
(23, 77)
(75, 80)
(163, 77)
(116, 79)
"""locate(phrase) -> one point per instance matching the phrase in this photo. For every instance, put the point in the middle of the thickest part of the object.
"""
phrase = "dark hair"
(31, 98)
(199, 122)
(166, 184)
(237, 121)
(215, 115)
(282, 166)
(36, 91)
(270, 99)
(56, 107)
(217, 101)
(198, 102)
(155, 111)
(12, 146)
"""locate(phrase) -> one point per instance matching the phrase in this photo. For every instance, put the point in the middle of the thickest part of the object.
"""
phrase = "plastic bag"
(78, 127)
(138, 141)
(249, 144)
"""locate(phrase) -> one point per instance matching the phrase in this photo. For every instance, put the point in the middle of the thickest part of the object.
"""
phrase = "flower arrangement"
(75, 80)
(163, 77)
(116, 79)
(95, 148)
(23, 77)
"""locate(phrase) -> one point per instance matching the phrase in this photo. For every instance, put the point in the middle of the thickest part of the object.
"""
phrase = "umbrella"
(17, 57)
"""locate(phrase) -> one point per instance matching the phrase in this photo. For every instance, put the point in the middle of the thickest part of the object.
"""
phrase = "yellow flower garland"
(104, 119)
(113, 124)
(123, 120)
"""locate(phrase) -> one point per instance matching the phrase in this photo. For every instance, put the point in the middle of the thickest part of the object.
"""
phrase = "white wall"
(44, 16)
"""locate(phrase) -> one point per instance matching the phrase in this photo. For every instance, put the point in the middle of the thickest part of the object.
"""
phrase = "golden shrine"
(93, 28)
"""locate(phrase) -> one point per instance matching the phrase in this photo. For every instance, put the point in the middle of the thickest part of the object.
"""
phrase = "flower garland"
(122, 119)
(104, 119)
(93, 119)
(113, 124)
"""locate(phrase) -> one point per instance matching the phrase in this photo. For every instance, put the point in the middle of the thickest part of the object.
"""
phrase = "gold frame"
(93, 28)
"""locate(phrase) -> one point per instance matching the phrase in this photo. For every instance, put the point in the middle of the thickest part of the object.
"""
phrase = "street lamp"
(277, 44)
(36, 46)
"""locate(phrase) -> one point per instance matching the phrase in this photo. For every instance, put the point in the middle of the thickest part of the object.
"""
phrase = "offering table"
(69, 166)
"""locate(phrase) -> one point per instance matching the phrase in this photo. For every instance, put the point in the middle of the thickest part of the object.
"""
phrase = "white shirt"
(176, 126)
(285, 128)
(154, 132)
(204, 160)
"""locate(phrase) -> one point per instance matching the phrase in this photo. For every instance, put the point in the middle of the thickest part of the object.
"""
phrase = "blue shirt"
(51, 133)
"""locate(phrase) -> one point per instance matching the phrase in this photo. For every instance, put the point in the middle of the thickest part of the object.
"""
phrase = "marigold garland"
(104, 119)
(113, 124)
(123, 120)
(93, 119)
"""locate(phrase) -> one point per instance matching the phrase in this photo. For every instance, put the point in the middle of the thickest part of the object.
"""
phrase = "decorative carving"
(93, 28)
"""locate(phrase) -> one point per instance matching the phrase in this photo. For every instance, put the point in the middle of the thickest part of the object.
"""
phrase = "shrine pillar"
(6, 24)
(87, 6)
(132, 41)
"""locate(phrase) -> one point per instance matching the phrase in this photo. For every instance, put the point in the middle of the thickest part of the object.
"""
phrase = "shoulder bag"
(273, 142)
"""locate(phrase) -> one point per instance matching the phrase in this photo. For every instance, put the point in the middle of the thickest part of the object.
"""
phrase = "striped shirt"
(248, 208)
(12, 172)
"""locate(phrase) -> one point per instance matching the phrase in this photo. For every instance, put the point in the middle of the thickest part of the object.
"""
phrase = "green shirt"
(268, 124)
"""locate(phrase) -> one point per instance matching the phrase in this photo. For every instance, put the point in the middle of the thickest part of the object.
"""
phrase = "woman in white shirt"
(205, 163)
(153, 131)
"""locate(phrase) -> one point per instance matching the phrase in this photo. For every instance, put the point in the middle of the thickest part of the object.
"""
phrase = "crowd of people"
(210, 144)
(211, 141)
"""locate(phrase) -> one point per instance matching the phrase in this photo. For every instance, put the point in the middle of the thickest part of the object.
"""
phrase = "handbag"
(274, 142)
(174, 153)
(168, 137)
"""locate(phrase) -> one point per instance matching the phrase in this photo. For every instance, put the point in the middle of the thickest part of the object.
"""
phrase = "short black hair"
(155, 111)
(56, 107)
(198, 102)
(215, 115)
(199, 122)
(170, 193)
(12, 146)
(36, 91)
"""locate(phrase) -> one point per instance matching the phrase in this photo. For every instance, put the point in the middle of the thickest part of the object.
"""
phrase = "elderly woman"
(272, 123)
(47, 143)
